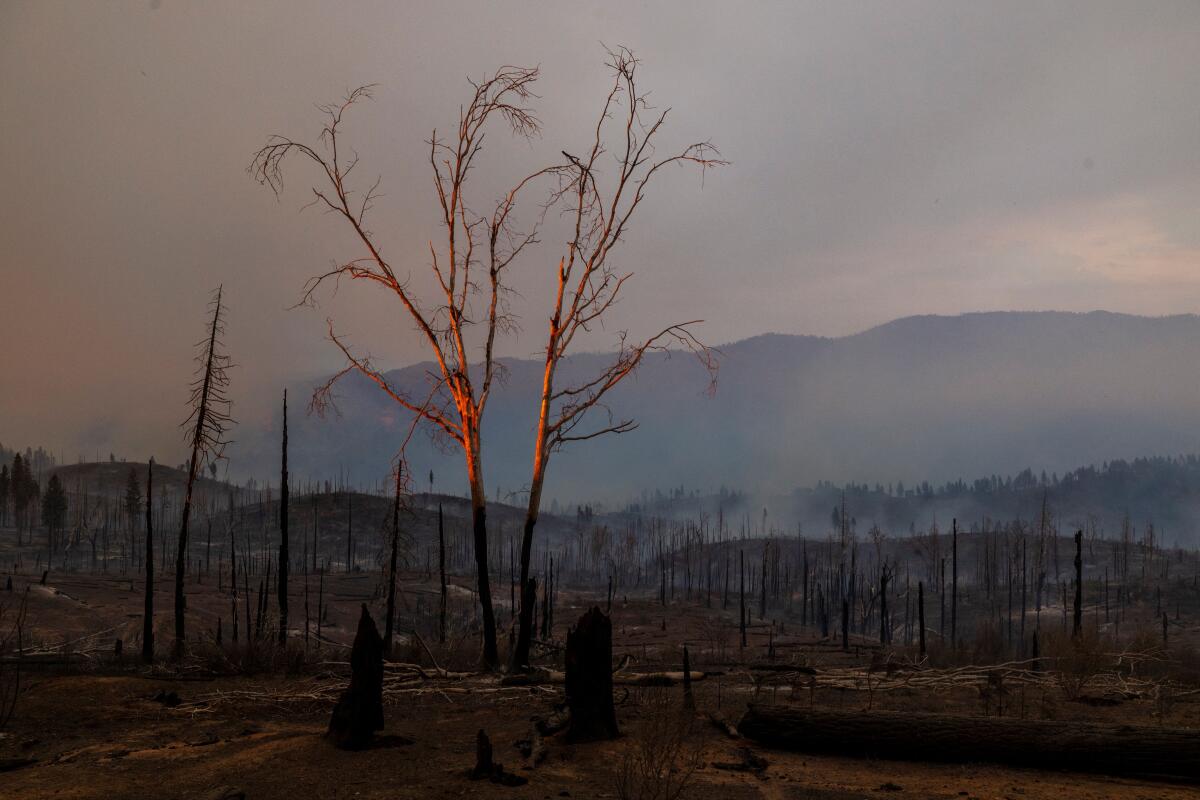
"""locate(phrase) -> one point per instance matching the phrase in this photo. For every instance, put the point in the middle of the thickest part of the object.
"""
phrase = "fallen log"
(772, 667)
(654, 678)
(537, 676)
(919, 736)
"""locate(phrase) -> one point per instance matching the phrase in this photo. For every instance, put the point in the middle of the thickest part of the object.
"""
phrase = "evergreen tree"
(24, 489)
(133, 496)
(4, 486)
(54, 505)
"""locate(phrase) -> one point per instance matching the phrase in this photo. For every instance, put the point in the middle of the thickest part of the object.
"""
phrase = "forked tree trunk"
(589, 679)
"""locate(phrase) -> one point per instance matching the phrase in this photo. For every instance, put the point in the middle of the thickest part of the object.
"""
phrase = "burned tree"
(148, 610)
(921, 615)
(283, 532)
(589, 679)
(207, 423)
(1077, 627)
(443, 595)
(395, 549)
(469, 274)
(359, 711)
(588, 284)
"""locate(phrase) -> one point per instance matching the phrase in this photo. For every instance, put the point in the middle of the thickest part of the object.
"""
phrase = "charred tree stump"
(486, 768)
(914, 736)
(589, 679)
(359, 711)
(483, 756)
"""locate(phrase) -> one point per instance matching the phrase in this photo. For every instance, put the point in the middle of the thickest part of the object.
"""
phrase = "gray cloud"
(888, 159)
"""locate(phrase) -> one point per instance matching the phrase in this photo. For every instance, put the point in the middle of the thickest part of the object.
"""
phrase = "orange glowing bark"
(588, 286)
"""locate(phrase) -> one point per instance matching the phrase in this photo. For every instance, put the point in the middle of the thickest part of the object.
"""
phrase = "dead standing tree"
(600, 209)
(209, 420)
(464, 302)
(399, 502)
(282, 583)
(148, 608)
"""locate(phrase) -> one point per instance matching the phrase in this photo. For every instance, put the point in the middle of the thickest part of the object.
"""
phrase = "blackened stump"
(589, 679)
(359, 711)
(486, 768)
(483, 756)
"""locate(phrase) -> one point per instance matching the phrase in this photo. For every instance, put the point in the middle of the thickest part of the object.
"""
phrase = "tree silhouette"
(588, 285)
(207, 424)
(4, 490)
(462, 318)
(54, 506)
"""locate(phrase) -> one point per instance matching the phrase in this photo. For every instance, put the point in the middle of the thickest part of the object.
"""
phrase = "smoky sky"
(887, 159)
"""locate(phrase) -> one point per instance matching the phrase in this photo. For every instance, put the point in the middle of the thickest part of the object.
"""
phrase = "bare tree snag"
(469, 274)
(954, 586)
(442, 570)
(359, 711)
(885, 634)
(148, 611)
(1077, 628)
(742, 596)
(588, 284)
(921, 614)
(391, 598)
(589, 679)
(209, 419)
(918, 736)
(283, 533)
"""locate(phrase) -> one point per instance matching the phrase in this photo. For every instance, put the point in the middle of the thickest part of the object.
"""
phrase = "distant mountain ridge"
(920, 398)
